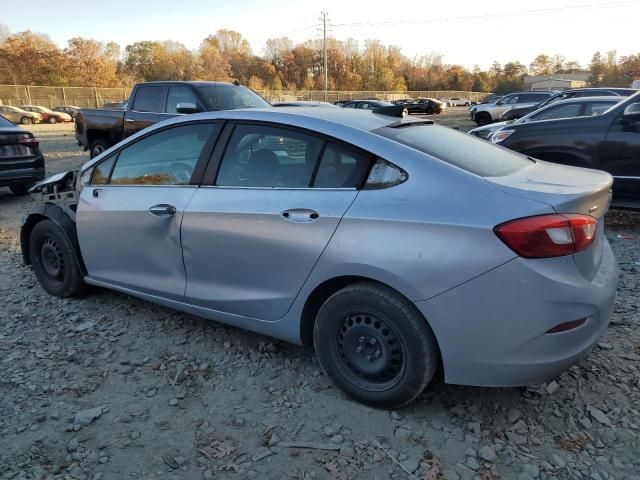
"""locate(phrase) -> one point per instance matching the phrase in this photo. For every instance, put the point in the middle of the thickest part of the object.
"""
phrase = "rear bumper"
(30, 174)
(492, 329)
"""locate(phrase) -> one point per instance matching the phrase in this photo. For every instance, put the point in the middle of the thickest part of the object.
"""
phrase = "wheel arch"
(330, 286)
(49, 211)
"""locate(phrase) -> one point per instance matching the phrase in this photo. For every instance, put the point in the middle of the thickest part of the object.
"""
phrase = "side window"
(349, 105)
(102, 170)
(341, 168)
(167, 157)
(179, 94)
(596, 108)
(148, 99)
(559, 111)
(364, 106)
(510, 100)
(262, 156)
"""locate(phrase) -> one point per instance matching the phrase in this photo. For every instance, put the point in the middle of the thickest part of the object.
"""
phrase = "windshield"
(229, 97)
(457, 148)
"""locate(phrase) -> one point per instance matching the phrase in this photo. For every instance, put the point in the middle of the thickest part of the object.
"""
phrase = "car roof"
(188, 82)
(605, 98)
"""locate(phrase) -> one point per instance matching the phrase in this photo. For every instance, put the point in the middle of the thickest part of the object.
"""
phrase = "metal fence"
(96, 97)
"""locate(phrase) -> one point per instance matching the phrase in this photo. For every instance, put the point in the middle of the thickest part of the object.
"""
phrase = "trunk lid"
(567, 190)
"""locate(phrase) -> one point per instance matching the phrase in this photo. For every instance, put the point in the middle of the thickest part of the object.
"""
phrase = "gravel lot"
(113, 387)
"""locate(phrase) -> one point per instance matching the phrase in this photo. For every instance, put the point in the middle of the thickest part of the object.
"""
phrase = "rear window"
(459, 149)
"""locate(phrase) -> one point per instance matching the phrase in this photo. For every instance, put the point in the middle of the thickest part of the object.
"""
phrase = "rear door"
(129, 217)
(620, 156)
(147, 108)
(252, 236)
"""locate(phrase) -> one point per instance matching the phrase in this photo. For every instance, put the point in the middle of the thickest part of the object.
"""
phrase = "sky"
(465, 32)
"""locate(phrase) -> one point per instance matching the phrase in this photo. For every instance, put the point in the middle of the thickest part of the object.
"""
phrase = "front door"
(129, 217)
(146, 108)
(251, 240)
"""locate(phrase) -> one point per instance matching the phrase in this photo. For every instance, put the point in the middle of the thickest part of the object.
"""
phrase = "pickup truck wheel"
(54, 260)
(482, 119)
(375, 345)
(26, 121)
(20, 189)
(97, 147)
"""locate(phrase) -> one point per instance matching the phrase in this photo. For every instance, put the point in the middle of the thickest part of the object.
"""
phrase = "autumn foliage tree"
(30, 58)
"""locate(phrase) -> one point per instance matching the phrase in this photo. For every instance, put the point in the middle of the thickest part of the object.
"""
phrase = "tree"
(29, 58)
(213, 66)
(91, 63)
(541, 65)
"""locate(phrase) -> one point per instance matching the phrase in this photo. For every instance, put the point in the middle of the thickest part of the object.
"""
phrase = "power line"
(487, 15)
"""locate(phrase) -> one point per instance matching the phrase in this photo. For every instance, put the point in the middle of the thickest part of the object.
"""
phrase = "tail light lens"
(29, 142)
(546, 236)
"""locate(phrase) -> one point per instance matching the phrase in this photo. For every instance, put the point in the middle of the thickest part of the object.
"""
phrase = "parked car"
(152, 102)
(392, 245)
(17, 115)
(427, 106)
(520, 111)
(21, 162)
(68, 109)
(609, 141)
(48, 115)
(302, 103)
(458, 102)
(378, 106)
(574, 107)
(485, 113)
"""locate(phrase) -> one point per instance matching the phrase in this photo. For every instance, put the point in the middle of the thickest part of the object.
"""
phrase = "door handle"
(300, 215)
(129, 120)
(162, 210)
(96, 192)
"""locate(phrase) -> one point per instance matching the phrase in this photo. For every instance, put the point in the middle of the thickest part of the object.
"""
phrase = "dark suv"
(520, 111)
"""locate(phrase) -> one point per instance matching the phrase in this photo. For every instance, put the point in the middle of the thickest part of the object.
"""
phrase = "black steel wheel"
(20, 189)
(54, 260)
(375, 345)
(370, 352)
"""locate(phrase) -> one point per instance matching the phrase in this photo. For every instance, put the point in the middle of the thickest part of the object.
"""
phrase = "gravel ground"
(113, 387)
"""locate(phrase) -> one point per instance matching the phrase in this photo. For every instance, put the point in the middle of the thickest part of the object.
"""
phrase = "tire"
(97, 147)
(26, 120)
(375, 345)
(483, 119)
(52, 120)
(54, 260)
(20, 189)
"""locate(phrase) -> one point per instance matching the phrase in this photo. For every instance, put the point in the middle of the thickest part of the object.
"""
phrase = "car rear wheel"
(54, 260)
(97, 147)
(52, 120)
(20, 189)
(375, 345)
(26, 121)
(483, 119)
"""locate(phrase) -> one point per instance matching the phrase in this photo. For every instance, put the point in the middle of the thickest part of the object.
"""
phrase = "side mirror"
(187, 108)
(632, 112)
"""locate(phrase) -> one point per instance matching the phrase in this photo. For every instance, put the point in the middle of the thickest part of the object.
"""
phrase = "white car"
(458, 102)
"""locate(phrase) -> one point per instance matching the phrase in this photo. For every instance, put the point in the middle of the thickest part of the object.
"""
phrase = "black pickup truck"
(609, 141)
(152, 102)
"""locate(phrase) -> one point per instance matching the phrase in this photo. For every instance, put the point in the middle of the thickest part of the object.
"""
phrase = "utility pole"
(323, 19)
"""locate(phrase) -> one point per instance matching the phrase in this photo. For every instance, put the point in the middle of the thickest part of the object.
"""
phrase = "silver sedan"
(391, 245)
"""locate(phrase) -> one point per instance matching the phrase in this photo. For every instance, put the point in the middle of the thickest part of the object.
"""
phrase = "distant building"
(558, 81)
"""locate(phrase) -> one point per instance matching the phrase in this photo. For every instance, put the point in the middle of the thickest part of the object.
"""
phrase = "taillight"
(29, 142)
(548, 235)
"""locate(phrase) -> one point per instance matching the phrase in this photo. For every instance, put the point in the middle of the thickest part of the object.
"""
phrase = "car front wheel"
(483, 119)
(54, 260)
(20, 189)
(375, 345)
